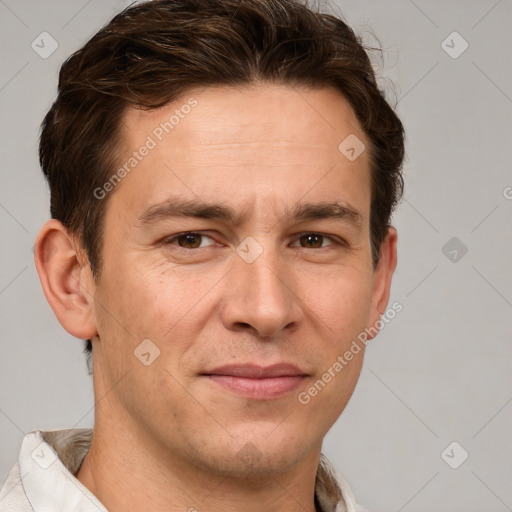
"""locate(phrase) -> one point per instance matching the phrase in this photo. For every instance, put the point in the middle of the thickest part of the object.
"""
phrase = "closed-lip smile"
(257, 382)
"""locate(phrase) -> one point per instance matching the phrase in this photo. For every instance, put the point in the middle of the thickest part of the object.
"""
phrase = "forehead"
(222, 113)
(238, 143)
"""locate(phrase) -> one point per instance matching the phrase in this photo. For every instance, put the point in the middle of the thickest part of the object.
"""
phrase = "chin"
(252, 456)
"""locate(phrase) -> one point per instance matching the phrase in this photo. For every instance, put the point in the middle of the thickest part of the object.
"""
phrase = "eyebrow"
(176, 207)
(332, 210)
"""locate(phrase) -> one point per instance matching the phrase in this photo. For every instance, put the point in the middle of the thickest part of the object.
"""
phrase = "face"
(238, 247)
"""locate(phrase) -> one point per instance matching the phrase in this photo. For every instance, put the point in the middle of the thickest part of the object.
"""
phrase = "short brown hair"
(154, 51)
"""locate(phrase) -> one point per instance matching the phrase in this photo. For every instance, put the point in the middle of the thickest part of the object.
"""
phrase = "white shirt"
(43, 479)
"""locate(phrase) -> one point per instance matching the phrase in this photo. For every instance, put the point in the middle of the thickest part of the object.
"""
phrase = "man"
(222, 177)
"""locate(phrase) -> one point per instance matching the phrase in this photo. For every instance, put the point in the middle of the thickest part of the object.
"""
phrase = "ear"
(382, 277)
(66, 279)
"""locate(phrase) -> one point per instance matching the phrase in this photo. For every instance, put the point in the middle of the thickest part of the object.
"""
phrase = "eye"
(315, 241)
(189, 240)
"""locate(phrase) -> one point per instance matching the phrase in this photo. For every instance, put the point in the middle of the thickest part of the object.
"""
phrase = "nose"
(260, 297)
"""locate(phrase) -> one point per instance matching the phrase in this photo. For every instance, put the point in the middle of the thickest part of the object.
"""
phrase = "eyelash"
(170, 240)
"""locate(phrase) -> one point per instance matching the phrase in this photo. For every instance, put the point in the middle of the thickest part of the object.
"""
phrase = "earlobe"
(67, 282)
(383, 275)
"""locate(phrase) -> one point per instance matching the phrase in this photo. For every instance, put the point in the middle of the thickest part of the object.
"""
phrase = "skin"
(165, 434)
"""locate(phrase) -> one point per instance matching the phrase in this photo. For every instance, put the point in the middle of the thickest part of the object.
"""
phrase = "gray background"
(441, 370)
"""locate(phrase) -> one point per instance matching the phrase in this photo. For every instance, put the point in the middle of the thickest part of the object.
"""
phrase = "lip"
(258, 382)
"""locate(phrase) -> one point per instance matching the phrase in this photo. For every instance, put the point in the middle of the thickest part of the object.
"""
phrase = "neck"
(127, 471)
(123, 476)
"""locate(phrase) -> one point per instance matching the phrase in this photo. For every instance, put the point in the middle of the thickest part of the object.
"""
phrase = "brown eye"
(311, 240)
(189, 240)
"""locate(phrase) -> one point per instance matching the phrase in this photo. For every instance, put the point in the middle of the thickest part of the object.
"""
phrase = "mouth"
(257, 382)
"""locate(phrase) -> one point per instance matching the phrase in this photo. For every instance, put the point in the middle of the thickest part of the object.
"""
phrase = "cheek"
(342, 301)
(157, 302)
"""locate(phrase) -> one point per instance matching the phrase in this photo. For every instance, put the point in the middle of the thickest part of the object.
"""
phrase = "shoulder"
(12, 494)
